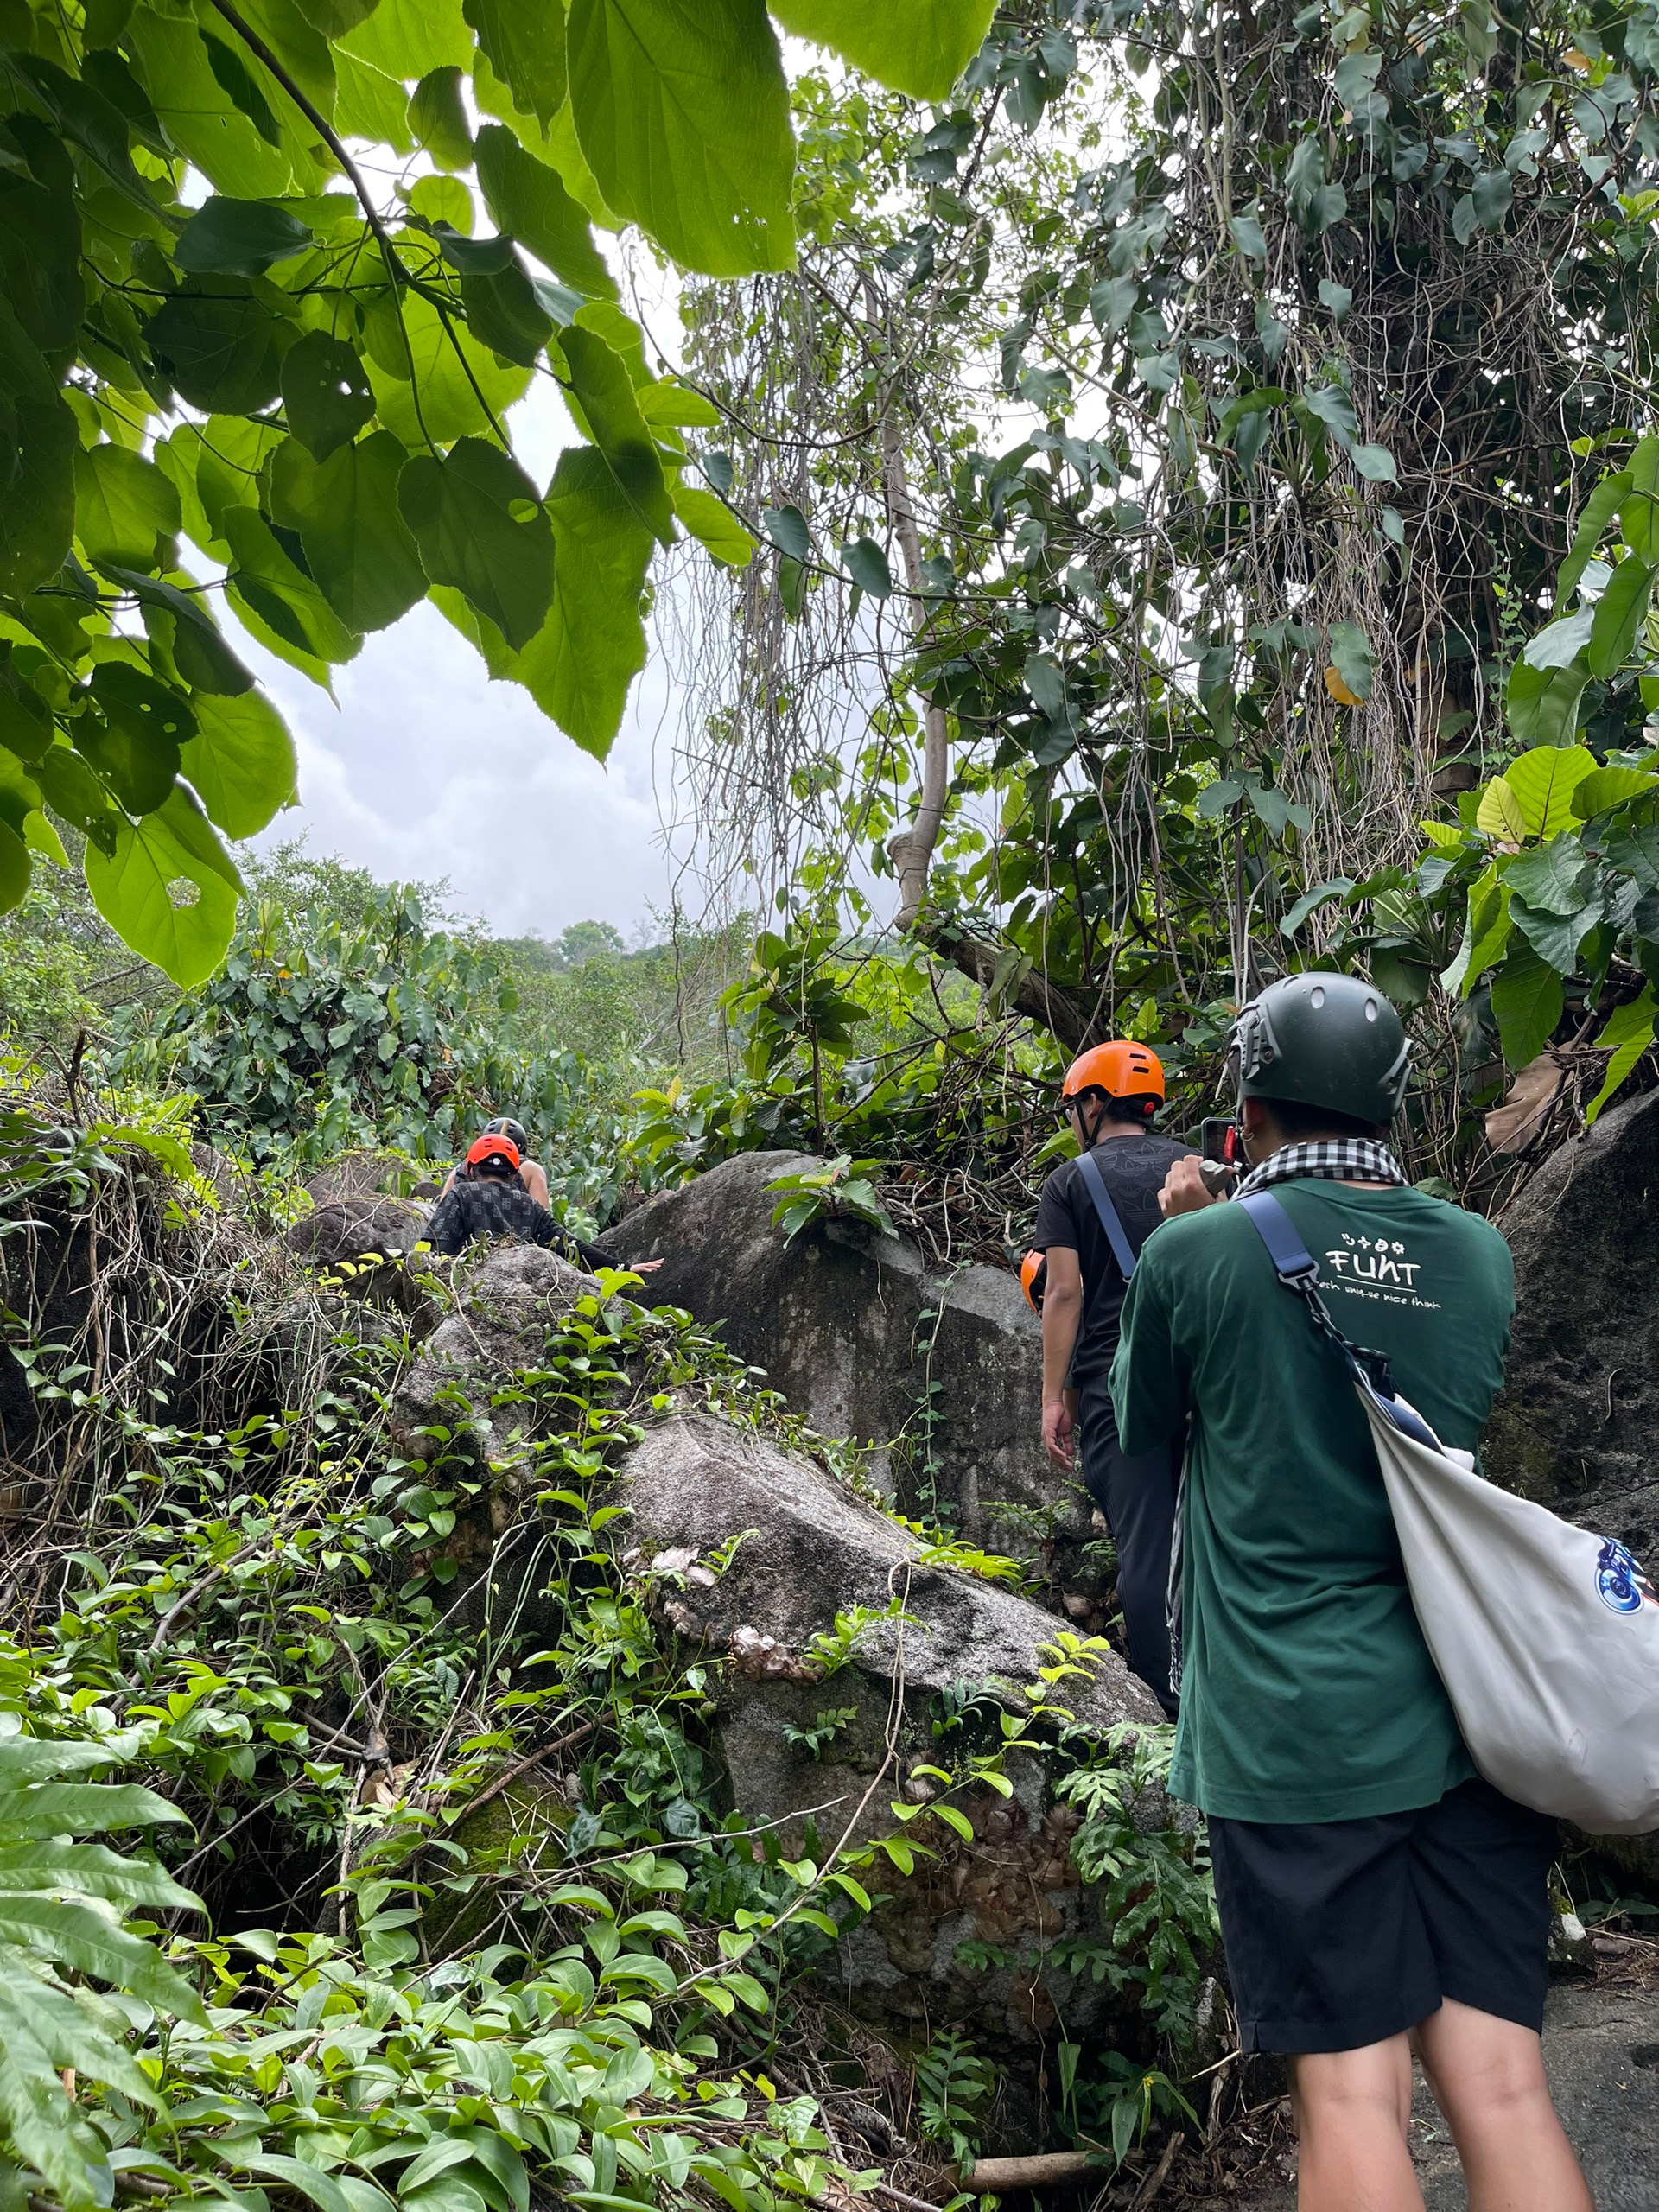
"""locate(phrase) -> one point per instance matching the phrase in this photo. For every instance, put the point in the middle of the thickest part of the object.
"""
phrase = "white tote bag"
(1546, 1635)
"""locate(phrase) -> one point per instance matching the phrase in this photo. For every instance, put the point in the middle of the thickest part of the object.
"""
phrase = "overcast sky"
(427, 769)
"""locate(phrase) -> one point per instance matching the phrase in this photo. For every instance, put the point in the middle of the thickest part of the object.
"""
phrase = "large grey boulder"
(849, 1661)
(1576, 1423)
(940, 1370)
(508, 1301)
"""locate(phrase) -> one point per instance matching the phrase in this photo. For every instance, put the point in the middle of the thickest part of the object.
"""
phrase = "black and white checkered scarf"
(1334, 1159)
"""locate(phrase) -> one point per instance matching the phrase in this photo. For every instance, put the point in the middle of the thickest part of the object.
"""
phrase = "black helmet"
(504, 1126)
(1323, 1041)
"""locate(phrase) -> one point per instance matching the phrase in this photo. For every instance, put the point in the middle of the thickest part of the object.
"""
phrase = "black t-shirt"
(496, 1205)
(1133, 1169)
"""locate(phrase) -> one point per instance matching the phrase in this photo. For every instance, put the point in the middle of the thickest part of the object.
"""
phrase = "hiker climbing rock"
(1372, 1889)
(531, 1174)
(487, 1198)
(496, 1191)
(1096, 1212)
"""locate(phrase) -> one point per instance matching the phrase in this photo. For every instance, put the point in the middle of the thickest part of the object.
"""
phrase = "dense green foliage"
(218, 324)
(485, 1918)
(1182, 430)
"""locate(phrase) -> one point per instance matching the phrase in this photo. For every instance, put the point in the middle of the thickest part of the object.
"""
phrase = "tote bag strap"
(1110, 1220)
(1298, 1270)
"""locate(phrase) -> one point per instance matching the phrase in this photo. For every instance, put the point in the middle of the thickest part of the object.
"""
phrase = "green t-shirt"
(1307, 1691)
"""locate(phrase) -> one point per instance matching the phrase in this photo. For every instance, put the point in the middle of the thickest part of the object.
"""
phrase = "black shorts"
(1342, 1933)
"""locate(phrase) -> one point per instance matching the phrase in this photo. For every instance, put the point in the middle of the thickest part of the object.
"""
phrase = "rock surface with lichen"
(848, 1657)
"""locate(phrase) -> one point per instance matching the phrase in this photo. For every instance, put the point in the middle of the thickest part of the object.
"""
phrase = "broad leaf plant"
(273, 274)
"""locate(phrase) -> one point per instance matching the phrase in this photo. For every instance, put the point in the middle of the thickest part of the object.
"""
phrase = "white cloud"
(427, 769)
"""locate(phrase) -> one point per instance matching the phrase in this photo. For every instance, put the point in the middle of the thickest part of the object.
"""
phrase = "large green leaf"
(51, 1807)
(408, 38)
(482, 530)
(201, 654)
(132, 890)
(602, 399)
(134, 740)
(87, 1942)
(1598, 511)
(1611, 787)
(452, 369)
(16, 867)
(222, 349)
(25, 1759)
(35, 2111)
(920, 47)
(503, 310)
(1618, 613)
(358, 548)
(280, 603)
(523, 41)
(40, 263)
(527, 198)
(682, 112)
(240, 238)
(437, 116)
(579, 670)
(712, 522)
(1554, 937)
(91, 1870)
(1638, 513)
(202, 118)
(1526, 999)
(74, 792)
(1544, 703)
(122, 503)
(1554, 878)
(240, 761)
(1626, 1035)
(325, 392)
(38, 444)
(1544, 781)
(1485, 932)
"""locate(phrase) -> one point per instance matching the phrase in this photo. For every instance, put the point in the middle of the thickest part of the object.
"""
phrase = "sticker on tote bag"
(1620, 1584)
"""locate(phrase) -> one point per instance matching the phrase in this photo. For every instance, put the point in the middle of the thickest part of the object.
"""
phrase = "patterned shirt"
(491, 1205)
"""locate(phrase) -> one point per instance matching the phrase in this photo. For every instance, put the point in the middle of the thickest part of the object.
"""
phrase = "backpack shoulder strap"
(1110, 1220)
(1292, 1262)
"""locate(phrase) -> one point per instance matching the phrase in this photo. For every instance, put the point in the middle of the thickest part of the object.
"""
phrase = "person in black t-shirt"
(487, 1197)
(1110, 1095)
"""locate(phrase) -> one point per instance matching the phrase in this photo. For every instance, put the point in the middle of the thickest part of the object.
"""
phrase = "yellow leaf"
(1574, 60)
(1339, 691)
(1499, 812)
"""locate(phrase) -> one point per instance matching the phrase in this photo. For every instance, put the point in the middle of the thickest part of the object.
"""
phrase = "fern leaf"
(71, 2031)
(29, 1758)
(49, 1809)
(85, 1941)
(91, 1870)
(39, 2118)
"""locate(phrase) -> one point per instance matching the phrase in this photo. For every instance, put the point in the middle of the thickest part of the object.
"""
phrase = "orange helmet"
(491, 1146)
(1033, 1279)
(1119, 1069)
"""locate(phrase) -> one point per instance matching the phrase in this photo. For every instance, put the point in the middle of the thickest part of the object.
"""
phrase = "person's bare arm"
(533, 1176)
(1062, 1312)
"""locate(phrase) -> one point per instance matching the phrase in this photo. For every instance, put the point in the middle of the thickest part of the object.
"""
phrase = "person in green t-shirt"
(1373, 1889)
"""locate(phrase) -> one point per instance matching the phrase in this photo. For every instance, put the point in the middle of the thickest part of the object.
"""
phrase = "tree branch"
(1065, 1017)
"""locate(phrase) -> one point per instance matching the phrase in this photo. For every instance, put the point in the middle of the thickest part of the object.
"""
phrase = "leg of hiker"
(1488, 2079)
(1137, 1498)
(1353, 2108)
